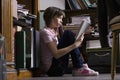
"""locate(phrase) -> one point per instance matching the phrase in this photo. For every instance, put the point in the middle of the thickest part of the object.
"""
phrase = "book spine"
(85, 4)
(80, 2)
(75, 4)
(29, 47)
(69, 5)
(88, 3)
(20, 49)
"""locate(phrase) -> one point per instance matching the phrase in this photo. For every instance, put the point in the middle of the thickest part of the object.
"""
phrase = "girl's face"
(56, 21)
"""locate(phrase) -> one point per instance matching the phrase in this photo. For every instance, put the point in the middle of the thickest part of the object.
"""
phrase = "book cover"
(83, 27)
(80, 2)
(20, 50)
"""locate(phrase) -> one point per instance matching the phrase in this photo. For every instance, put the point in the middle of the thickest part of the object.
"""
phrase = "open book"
(83, 27)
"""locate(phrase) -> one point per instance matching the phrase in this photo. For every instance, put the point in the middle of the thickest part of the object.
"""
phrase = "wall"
(57, 3)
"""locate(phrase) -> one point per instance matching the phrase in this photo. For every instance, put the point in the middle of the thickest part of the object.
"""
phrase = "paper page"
(83, 27)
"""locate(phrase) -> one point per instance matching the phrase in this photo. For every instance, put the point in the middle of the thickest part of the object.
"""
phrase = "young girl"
(54, 53)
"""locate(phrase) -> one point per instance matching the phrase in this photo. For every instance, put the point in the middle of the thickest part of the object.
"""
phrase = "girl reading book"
(54, 53)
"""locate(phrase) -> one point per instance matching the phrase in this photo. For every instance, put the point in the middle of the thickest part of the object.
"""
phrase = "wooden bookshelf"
(33, 7)
(7, 29)
(92, 12)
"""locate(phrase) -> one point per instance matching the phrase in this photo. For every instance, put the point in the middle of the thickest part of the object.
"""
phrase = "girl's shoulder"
(46, 31)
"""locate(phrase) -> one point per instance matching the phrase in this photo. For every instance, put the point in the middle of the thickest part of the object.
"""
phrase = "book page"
(83, 27)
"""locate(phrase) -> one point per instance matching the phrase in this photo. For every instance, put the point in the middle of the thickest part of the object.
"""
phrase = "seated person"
(54, 53)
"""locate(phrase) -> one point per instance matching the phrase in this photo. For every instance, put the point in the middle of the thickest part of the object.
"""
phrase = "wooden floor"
(69, 77)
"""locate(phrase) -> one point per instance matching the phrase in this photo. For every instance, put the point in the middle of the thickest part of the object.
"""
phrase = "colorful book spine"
(85, 4)
(75, 4)
(81, 3)
(88, 3)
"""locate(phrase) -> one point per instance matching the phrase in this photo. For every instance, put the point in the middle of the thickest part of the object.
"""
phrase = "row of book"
(24, 48)
(79, 4)
(27, 48)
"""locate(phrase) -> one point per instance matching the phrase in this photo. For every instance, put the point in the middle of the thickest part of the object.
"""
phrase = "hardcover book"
(75, 4)
(20, 50)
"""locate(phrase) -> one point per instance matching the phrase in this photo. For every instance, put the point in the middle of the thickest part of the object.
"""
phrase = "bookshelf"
(71, 10)
(7, 29)
(7, 21)
(92, 12)
(33, 7)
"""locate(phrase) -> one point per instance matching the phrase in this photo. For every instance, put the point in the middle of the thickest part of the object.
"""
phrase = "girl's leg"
(67, 39)
(58, 66)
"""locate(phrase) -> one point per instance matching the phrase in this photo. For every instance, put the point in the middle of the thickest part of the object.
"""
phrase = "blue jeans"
(59, 66)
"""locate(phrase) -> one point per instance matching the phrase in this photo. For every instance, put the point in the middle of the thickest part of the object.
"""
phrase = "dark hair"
(50, 13)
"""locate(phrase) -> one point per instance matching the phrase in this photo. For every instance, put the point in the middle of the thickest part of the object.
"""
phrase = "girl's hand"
(79, 41)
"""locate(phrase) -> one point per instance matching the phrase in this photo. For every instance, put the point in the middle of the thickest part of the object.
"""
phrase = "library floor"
(69, 77)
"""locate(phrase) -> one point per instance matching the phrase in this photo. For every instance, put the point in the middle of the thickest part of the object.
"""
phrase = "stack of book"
(21, 9)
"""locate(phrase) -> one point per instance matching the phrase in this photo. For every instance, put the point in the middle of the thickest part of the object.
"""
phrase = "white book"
(24, 11)
(76, 20)
(83, 27)
(93, 44)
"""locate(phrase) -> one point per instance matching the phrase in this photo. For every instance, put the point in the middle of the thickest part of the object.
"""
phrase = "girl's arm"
(57, 53)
